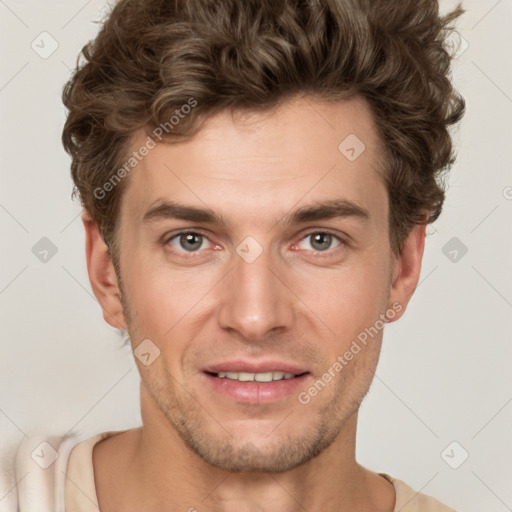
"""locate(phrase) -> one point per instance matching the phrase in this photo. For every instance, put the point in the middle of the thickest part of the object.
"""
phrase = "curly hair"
(153, 57)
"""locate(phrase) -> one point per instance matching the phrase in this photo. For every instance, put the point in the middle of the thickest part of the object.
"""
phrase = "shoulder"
(40, 462)
(409, 500)
(41, 469)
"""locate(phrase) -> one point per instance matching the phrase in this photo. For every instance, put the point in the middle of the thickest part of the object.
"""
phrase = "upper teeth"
(259, 377)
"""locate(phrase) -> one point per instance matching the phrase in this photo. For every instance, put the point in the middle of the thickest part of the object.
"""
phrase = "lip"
(256, 393)
(253, 392)
(256, 367)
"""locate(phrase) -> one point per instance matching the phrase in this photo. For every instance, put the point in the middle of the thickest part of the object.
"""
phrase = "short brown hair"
(152, 57)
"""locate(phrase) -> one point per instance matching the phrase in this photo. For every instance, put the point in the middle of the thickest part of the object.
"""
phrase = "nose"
(255, 299)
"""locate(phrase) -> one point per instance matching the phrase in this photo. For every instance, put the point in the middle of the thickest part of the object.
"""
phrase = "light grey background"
(444, 374)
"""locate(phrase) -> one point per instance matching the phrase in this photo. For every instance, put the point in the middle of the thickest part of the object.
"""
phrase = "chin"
(266, 454)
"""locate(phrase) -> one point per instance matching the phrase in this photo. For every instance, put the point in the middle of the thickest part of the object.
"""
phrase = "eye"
(320, 241)
(188, 241)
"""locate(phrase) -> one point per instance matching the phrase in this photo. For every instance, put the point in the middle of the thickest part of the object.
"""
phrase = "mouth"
(270, 376)
(255, 383)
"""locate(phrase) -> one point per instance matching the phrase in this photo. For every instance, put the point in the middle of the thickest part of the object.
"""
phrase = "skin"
(198, 449)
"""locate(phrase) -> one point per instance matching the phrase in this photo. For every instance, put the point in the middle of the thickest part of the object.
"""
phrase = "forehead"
(247, 164)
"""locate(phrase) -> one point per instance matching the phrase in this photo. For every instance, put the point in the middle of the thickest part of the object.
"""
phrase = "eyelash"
(343, 243)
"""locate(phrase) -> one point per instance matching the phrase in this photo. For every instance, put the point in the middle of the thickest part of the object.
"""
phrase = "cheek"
(159, 298)
(350, 300)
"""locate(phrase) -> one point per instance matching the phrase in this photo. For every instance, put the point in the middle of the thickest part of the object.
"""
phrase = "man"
(256, 180)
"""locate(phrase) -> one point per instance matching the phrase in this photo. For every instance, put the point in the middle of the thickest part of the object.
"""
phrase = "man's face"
(202, 292)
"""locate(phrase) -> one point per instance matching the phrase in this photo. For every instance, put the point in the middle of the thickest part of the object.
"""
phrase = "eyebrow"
(172, 210)
(324, 210)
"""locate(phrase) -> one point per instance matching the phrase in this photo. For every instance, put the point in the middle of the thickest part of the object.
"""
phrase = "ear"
(406, 270)
(102, 274)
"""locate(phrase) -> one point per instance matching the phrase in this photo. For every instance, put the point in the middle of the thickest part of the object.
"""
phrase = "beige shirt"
(80, 491)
